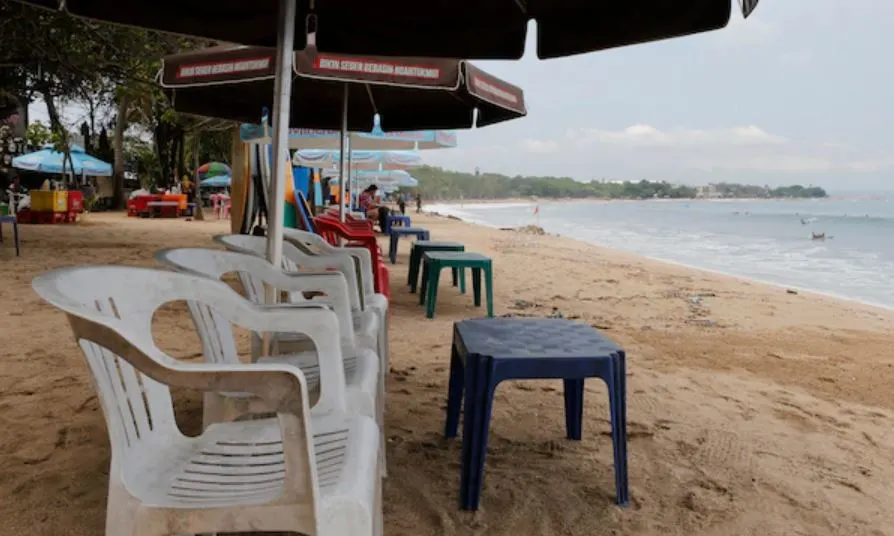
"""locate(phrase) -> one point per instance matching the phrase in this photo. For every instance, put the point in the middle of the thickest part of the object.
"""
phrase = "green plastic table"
(435, 261)
(419, 248)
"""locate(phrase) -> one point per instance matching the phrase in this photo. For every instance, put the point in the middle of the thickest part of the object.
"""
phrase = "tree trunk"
(118, 149)
(197, 198)
(181, 153)
(58, 128)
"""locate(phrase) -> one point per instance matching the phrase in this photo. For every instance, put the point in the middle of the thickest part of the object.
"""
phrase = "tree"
(60, 58)
(37, 135)
(439, 183)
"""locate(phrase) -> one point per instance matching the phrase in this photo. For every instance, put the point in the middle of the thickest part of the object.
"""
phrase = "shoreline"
(741, 277)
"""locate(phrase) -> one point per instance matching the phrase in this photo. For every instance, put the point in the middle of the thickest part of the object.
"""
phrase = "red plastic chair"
(350, 221)
(333, 230)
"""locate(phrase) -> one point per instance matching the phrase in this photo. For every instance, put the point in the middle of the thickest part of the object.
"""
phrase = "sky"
(801, 92)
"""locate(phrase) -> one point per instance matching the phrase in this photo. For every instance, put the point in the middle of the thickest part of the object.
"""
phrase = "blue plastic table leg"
(470, 430)
(476, 286)
(485, 385)
(619, 439)
(392, 247)
(574, 408)
(454, 393)
(621, 397)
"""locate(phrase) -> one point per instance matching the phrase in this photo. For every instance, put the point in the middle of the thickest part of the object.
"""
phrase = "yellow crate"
(49, 201)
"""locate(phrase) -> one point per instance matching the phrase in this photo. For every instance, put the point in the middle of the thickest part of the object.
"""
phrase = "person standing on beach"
(402, 203)
(418, 203)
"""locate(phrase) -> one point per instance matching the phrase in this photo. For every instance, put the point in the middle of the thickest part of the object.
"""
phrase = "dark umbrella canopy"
(236, 83)
(476, 29)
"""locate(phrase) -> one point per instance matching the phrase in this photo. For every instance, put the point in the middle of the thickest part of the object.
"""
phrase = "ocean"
(768, 241)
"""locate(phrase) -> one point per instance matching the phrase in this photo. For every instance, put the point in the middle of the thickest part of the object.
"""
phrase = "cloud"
(746, 152)
(541, 146)
(647, 135)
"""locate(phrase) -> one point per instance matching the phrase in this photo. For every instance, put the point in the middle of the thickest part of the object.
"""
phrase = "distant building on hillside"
(707, 192)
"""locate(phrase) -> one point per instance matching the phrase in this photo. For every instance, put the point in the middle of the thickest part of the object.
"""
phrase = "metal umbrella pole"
(342, 161)
(351, 183)
(281, 104)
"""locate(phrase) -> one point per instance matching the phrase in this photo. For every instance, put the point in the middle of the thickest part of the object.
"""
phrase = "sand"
(753, 411)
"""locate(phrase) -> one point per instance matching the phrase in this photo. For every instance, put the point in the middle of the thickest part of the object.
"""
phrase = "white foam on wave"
(805, 268)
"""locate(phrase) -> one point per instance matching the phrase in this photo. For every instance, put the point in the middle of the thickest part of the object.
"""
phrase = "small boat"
(817, 236)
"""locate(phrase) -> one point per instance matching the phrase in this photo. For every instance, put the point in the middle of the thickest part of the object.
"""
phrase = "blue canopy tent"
(48, 160)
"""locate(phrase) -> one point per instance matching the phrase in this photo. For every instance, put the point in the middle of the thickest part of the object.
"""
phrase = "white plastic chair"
(361, 364)
(303, 471)
(366, 312)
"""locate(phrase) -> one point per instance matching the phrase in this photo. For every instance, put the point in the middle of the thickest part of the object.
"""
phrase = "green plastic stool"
(419, 248)
(435, 261)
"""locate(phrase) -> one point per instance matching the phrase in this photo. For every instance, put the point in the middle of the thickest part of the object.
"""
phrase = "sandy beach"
(752, 411)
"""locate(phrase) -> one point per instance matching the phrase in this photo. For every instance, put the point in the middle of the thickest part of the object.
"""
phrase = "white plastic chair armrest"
(342, 262)
(282, 386)
(333, 284)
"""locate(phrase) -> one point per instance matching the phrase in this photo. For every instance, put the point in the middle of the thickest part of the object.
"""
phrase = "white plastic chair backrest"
(216, 334)
(293, 259)
(314, 244)
(110, 310)
(255, 272)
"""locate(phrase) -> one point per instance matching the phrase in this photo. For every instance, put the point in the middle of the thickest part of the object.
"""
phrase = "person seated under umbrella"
(370, 207)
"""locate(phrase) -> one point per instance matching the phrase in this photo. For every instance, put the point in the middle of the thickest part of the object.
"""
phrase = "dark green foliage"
(437, 183)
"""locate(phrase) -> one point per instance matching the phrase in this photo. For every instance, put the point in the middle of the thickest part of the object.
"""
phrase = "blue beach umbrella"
(48, 160)
(366, 160)
(220, 181)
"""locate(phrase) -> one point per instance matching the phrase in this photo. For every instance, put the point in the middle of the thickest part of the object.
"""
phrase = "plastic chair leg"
(476, 286)
(455, 273)
(574, 408)
(454, 394)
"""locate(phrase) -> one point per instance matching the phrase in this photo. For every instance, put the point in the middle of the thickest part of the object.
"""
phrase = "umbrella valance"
(236, 82)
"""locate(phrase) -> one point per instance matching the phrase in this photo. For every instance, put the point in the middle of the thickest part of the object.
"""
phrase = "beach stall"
(57, 205)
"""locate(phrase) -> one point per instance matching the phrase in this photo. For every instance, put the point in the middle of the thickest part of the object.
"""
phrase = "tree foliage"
(437, 183)
(110, 71)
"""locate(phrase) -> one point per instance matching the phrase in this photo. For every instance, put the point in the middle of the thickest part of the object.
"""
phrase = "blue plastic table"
(15, 230)
(397, 232)
(487, 351)
(395, 220)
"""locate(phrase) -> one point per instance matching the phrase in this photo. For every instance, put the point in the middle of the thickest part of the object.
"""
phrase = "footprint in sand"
(721, 448)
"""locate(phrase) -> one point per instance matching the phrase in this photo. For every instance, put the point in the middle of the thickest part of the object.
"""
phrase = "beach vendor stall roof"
(236, 83)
